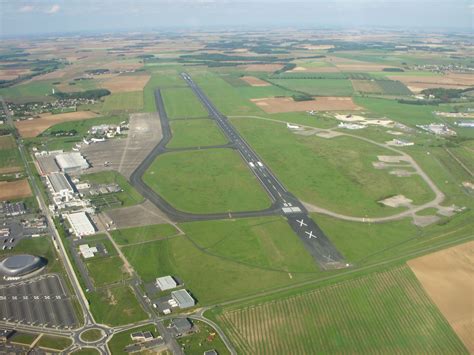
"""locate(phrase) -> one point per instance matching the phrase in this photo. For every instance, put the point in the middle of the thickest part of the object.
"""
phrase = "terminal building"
(71, 163)
(81, 224)
(19, 266)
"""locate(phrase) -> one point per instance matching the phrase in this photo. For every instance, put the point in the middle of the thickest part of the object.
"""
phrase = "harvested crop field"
(253, 81)
(10, 74)
(448, 81)
(366, 67)
(366, 86)
(321, 69)
(7, 142)
(32, 128)
(14, 189)
(269, 68)
(447, 278)
(323, 103)
(381, 313)
(124, 83)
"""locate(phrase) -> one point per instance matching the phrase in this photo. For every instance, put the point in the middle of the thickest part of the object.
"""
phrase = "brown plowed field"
(253, 81)
(447, 277)
(32, 128)
(14, 189)
(448, 81)
(125, 83)
(323, 103)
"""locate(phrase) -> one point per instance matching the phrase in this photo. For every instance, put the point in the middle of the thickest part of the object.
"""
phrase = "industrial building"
(60, 186)
(87, 251)
(71, 162)
(17, 266)
(166, 283)
(81, 224)
(183, 299)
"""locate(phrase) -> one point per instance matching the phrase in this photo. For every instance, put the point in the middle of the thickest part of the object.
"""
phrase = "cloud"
(54, 9)
(26, 8)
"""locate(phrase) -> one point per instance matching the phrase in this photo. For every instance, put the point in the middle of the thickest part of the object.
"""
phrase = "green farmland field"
(254, 254)
(336, 173)
(206, 181)
(195, 133)
(9, 153)
(318, 87)
(123, 101)
(182, 103)
(386, 312)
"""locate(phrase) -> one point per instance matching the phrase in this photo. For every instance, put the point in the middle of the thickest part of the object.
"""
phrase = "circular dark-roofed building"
(21, 265)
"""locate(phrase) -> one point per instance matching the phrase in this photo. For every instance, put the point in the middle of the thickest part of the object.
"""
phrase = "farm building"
(80, 224)
(71, 162)
(183, 299)
(166, 283)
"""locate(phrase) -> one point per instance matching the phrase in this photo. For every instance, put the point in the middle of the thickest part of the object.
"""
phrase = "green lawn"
(206, 181)
(128, 196)
(115, 306)
(387, 312)
(252, 255)
(143, 234)
(195, 133)
(162, 79)
(54, 342)
(92, 335)
(83, 126)
(336, 173)
(181, 102)
(203, 340)
(24, 338)
(86, 351)
(106, 271)
(123, 101)
(318, 87)
(120, 340)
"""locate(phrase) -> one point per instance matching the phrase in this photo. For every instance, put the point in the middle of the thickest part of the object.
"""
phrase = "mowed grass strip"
(206, 181)
(181, 102)
(386, 312)
(143, 234)
(123, 101)
(54, 342)
(336, 174)
(195, 133)
(213, 254)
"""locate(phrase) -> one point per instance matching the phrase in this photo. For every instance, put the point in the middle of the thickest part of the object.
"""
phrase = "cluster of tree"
(302, 97)
(94, 94)
(286, 67)
(419, 102)
(445, 95)
(393, 69)
(97, 71)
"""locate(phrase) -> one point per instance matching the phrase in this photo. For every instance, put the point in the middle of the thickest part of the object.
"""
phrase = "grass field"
(34, 90)
(143, 234)
(10, 159)
(318, 87)
(54, 342)
(253, 254)
(86, 351)
(123, 101)
(106, 271)
(92, 335)
(382, 87)
(386, 312)
(203, 340)
(181, 102)
(336, 173)
(82, 126)
(195, 133)
(162, 79)
(24, 338)
(115, 306)
(120, 340)
(206, 181)
(128, 196)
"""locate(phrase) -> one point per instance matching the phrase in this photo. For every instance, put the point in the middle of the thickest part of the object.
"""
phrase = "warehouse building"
(71, 162)
(166, 283)
(183, 299)
(81, 224)
(60, 186)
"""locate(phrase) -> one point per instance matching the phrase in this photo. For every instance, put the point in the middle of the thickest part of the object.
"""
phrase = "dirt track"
(447, 277)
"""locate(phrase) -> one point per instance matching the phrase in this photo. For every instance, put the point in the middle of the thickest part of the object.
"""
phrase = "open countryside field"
(143, 234)
(254, 81)
(10, 159)
(32, 128)
(447, 278)
(12, 190)
(448, 81)
(123, 101)
(126, 83)
(287, 104)
(386, 312)
(182, 103)
(206, 181)
(317, 87)
(253, 254)
(195, 133)
(335, 173)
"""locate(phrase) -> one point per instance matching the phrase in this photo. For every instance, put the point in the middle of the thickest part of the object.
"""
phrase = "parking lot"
(41, 301)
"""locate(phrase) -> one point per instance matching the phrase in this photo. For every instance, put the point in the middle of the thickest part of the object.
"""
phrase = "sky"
(18, 17)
